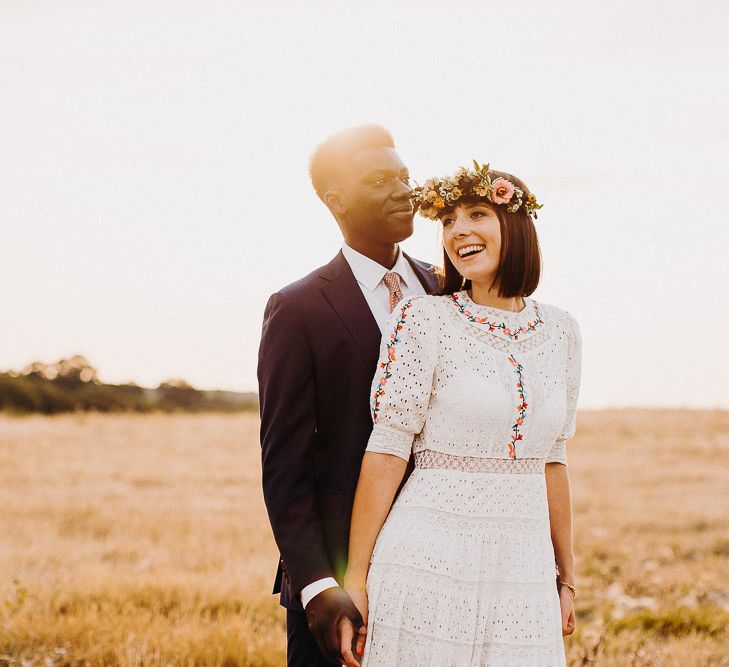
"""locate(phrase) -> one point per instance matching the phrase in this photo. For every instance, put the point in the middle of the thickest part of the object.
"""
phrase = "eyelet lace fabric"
(463, 569)
(429, 459)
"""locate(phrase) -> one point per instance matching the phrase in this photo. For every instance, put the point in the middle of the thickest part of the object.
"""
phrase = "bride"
(480, 385)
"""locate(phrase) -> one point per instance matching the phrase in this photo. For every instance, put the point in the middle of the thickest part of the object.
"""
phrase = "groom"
(318, 355)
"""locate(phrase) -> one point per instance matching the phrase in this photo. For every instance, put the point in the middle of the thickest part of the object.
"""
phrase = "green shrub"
(34, 392)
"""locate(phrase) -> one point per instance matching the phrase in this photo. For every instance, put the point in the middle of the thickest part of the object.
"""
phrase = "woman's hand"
(359, 597)
(353, 647)
(567, 605)
(379, 479)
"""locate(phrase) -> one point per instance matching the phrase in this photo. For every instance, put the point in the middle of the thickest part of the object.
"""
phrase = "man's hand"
(325, 613)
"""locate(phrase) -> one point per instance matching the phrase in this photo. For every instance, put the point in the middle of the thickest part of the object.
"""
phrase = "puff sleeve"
(403, 380)
(558, 453)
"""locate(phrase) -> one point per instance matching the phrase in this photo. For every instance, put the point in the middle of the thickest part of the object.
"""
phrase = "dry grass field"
(142, 540)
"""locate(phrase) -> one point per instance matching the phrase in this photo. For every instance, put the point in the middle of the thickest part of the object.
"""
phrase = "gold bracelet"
(570, 586)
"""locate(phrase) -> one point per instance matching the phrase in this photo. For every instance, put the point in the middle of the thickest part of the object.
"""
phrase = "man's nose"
(402, 190)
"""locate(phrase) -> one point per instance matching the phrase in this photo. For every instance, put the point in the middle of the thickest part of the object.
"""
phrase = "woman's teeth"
(470, 250)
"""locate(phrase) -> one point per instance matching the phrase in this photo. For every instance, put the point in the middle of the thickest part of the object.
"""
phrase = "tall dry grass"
(142, 540)
(135, 540)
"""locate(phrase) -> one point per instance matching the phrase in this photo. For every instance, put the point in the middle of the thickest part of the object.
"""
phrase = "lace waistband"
(429, 459)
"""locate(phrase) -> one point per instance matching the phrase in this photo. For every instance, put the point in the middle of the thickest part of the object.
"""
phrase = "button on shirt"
(369, 275)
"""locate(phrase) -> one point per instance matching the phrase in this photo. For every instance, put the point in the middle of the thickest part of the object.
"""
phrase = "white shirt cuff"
(316, 587)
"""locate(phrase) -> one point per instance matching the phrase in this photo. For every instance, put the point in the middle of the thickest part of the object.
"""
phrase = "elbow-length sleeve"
(403, 380)
(558, 453)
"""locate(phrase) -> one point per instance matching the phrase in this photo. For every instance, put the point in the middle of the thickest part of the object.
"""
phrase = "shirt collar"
(369, 273)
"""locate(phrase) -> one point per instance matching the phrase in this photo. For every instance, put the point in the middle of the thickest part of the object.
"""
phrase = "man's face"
(375, 197)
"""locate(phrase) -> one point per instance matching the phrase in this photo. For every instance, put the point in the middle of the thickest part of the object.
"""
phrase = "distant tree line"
(73, 384)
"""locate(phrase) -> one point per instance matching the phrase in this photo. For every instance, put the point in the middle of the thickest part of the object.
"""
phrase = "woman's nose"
(460, 228)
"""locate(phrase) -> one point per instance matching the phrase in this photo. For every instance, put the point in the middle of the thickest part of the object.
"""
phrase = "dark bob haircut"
(330, 157)
(520, 260)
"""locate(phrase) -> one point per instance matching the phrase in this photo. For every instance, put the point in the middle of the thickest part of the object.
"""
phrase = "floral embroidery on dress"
(521, 408)
(510, 339)
(391, 357)
(513, 334)
(462, 572)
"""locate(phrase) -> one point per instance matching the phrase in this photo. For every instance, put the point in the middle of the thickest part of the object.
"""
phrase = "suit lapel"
(426, 275)
(345, 296)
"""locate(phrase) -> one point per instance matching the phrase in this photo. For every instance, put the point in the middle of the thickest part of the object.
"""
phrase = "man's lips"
(403, 209)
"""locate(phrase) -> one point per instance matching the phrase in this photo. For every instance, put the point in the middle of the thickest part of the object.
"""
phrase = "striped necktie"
(392, 282)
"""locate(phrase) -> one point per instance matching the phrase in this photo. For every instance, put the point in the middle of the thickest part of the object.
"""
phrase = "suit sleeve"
(288, 437)
(558, 453)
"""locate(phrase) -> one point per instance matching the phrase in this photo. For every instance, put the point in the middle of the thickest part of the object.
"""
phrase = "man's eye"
(380, 181)
(406, 180)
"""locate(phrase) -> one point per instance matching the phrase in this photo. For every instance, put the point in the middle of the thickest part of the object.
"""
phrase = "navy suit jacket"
(318, 355)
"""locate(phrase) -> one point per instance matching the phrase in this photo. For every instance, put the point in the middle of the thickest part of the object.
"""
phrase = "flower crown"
(437, 193)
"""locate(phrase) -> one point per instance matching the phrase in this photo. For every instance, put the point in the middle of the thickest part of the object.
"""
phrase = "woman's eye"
(446, 221)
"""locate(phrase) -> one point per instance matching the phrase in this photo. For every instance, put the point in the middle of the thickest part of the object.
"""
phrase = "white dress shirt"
(369, 275)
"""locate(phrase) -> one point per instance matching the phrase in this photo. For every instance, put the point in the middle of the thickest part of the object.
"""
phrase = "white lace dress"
(463, 571)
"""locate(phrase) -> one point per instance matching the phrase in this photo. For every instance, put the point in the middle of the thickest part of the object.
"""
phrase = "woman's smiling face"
(472, 240)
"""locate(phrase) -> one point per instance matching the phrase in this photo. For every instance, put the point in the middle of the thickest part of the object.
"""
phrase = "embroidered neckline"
(490, 322)
(516, 326)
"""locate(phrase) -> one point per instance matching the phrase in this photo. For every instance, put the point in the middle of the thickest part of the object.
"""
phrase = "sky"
(154, 188)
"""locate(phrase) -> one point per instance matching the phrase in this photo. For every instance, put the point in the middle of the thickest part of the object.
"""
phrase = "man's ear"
(333, 200)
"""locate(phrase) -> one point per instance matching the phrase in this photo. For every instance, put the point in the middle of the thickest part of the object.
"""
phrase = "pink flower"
(502, 191)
